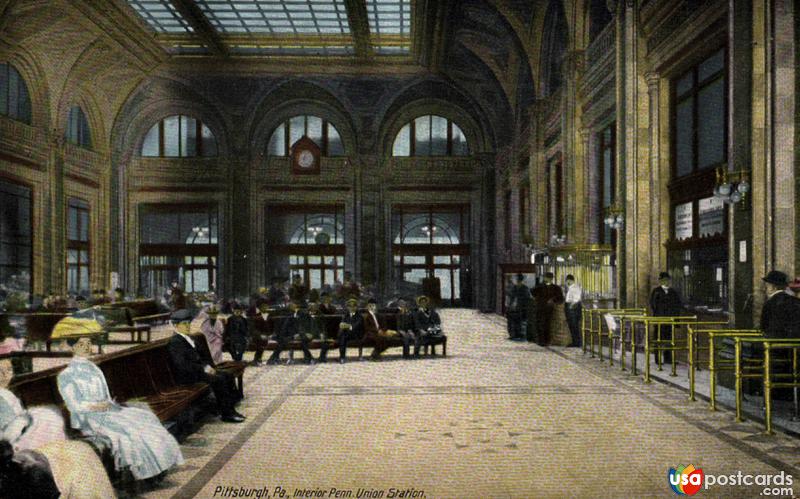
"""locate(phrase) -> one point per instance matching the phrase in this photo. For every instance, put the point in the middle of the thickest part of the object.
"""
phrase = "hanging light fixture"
(731, 186)
(615, 217)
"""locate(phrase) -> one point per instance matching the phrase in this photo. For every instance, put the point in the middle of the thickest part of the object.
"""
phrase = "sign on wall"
(683, 221)
(711, 215)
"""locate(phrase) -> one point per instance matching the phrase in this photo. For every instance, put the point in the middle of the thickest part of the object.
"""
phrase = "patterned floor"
(495, 419)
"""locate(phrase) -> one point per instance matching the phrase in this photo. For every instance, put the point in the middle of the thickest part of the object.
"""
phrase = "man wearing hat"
(405, 327)
(261, 328)
(428, 326)
(298, 291)
(351, 327)
(780, 315)
(276, 295)
(237, 332)
(375, 331)
(519, 299)
(665, 302)
(188, 368)
(546, 296)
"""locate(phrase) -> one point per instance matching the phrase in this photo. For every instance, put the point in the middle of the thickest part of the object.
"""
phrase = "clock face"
(305, 159)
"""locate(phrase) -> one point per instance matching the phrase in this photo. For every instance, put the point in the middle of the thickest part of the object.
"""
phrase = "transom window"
(15, 102)
(390, 25)
(179, 137)
(321, 131)
(430, 136)
(77, 131)
(699, 116)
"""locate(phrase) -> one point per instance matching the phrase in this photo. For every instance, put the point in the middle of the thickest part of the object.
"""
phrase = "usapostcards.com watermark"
(688, 480)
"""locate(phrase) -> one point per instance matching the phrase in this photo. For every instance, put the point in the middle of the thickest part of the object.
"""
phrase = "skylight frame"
(161, 16)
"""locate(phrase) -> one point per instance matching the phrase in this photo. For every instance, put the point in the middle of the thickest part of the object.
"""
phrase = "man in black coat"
(665, 302)
(188, 368)
(351, 327)
(546, 295)
(261, 328)
(780, 315)
(292, 328)
(519, 299)
(406, 327)
(428, 326)
(237, 333)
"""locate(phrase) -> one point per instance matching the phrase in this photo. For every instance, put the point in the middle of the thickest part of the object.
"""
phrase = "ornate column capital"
(652, 78)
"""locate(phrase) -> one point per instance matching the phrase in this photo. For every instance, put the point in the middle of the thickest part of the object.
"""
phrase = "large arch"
(438, 99)
(292, 98)
(34, 75)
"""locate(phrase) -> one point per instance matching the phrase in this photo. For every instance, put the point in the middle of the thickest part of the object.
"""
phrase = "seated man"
(313, 325)
(261, 329)
(351, 328)
(405, 327)
(188, 368)
(428, 326)
(375, 332)
(327, 307)
(291, 329)
(237, 334)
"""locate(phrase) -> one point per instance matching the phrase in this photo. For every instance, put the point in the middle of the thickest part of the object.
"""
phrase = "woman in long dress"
(26, 429)
(138, 440)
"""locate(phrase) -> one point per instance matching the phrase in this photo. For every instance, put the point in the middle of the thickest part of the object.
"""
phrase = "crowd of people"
(530, 311)
(233, 325)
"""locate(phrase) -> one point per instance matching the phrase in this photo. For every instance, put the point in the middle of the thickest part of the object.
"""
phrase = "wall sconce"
(615, 217)
(731, 187)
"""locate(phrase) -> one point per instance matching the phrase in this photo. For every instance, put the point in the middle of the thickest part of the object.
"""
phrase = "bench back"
(39, 325)
(140, 308)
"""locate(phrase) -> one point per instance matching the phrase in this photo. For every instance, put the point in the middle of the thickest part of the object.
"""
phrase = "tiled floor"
(494, 419)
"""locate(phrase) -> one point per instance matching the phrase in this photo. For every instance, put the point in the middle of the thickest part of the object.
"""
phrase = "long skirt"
(47, 425)
(138, 440)
(77, 470)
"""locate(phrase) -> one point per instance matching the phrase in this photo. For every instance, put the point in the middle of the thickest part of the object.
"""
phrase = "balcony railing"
(602, 46)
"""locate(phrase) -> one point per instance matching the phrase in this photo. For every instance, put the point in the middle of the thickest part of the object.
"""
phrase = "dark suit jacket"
(293, 324)
(328, 309)
(519, 298)
(371, 329)
(236, 329)
(355, 320)
(665, 304)
(424, 320)
(547, 295)
(405, 322)
(780, 316)
(187, 366)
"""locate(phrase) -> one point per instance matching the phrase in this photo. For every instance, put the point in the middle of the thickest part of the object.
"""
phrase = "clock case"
(305, 144)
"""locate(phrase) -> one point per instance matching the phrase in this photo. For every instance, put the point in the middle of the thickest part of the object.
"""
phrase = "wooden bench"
(140, 373)
(144, 311)
(331, 327)
(120, 320)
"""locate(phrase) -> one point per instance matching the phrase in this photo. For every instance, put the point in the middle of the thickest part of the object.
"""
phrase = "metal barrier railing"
(592, 327)
(659, 345)
(771, 380)
(715, 364)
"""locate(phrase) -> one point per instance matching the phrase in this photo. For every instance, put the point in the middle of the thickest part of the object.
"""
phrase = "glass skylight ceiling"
(390, 25)
(161, 16)
(317, 17)
(281, 27)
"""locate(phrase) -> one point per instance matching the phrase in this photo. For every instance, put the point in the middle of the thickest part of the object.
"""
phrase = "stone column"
(235, 219)
(572, 161)
(592, 211)
(659, 195)
(56, 219)
(484, 262)
(739, 155)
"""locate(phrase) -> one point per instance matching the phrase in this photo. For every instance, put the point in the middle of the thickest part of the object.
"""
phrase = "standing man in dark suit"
(188, 368)
(665, 302)
(327, 307)
(547, 296)
(237, 333)
(261, 329)
(780, 315)
(428, 326)
(298, 291)
(351, 328)
(519, 299)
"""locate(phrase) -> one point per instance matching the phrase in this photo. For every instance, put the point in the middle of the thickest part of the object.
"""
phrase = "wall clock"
(306, 157)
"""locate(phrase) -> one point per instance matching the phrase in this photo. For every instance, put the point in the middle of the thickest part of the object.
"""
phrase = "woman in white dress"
(138, 441)
(26, 429)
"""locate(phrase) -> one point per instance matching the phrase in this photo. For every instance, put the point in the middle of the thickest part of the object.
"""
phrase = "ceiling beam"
(430, 20)
(359, 27)
(202, 28)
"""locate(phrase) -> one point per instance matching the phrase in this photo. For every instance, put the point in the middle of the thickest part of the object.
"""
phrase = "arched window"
(77, 131)
(321, 131)
(430, 136)
(179, 136)
(15, 102)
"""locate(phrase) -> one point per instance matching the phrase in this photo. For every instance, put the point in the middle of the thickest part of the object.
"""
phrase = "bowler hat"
(351, 300)
(664, 275)
(520, 277)
(422, 298)
(549, 275)
(777, 278)
(372, 300)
